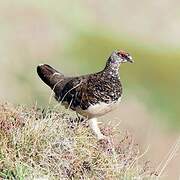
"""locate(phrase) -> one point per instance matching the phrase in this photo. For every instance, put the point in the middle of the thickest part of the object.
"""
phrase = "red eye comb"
(122, 53)
(125, 55)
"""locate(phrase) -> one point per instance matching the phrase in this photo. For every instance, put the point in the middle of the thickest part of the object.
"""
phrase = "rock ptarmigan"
(91, 95)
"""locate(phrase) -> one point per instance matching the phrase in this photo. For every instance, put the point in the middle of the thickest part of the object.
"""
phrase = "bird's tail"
(49, 75)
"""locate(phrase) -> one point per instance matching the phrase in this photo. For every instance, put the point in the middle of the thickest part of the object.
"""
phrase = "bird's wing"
(82, 92)
(74, 93)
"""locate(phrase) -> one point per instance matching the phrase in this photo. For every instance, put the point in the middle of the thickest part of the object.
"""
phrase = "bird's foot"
(94, 126)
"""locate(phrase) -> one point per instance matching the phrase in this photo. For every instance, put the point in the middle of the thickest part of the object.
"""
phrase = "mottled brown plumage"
(90, 95)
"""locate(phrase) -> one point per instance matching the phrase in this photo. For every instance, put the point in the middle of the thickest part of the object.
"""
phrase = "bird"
(91, 95)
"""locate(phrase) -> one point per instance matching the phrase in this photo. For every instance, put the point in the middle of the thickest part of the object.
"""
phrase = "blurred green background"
(77, 37)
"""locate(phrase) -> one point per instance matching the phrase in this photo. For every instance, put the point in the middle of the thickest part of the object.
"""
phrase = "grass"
(37, 143)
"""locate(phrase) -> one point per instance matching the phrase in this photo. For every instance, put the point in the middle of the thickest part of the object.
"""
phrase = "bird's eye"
(123, 55)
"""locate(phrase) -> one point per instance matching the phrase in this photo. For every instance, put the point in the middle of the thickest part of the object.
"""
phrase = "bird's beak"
(129, 59)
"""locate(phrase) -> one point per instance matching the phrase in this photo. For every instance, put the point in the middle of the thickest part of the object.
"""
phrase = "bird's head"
(118, 57)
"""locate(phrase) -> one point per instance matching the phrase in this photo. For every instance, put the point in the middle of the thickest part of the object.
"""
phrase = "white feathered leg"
(94, 126)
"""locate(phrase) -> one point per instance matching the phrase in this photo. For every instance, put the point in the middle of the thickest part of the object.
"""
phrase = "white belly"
(99, 109)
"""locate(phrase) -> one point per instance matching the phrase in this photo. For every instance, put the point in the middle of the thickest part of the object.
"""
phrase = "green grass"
(52, 144)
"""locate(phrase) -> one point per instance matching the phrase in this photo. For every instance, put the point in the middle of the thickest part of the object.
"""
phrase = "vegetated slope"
(38, 143)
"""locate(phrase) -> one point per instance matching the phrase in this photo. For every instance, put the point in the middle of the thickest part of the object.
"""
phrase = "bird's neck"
(112, 69)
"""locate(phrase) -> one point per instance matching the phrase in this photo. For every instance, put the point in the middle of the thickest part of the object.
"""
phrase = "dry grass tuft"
(48, 144)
